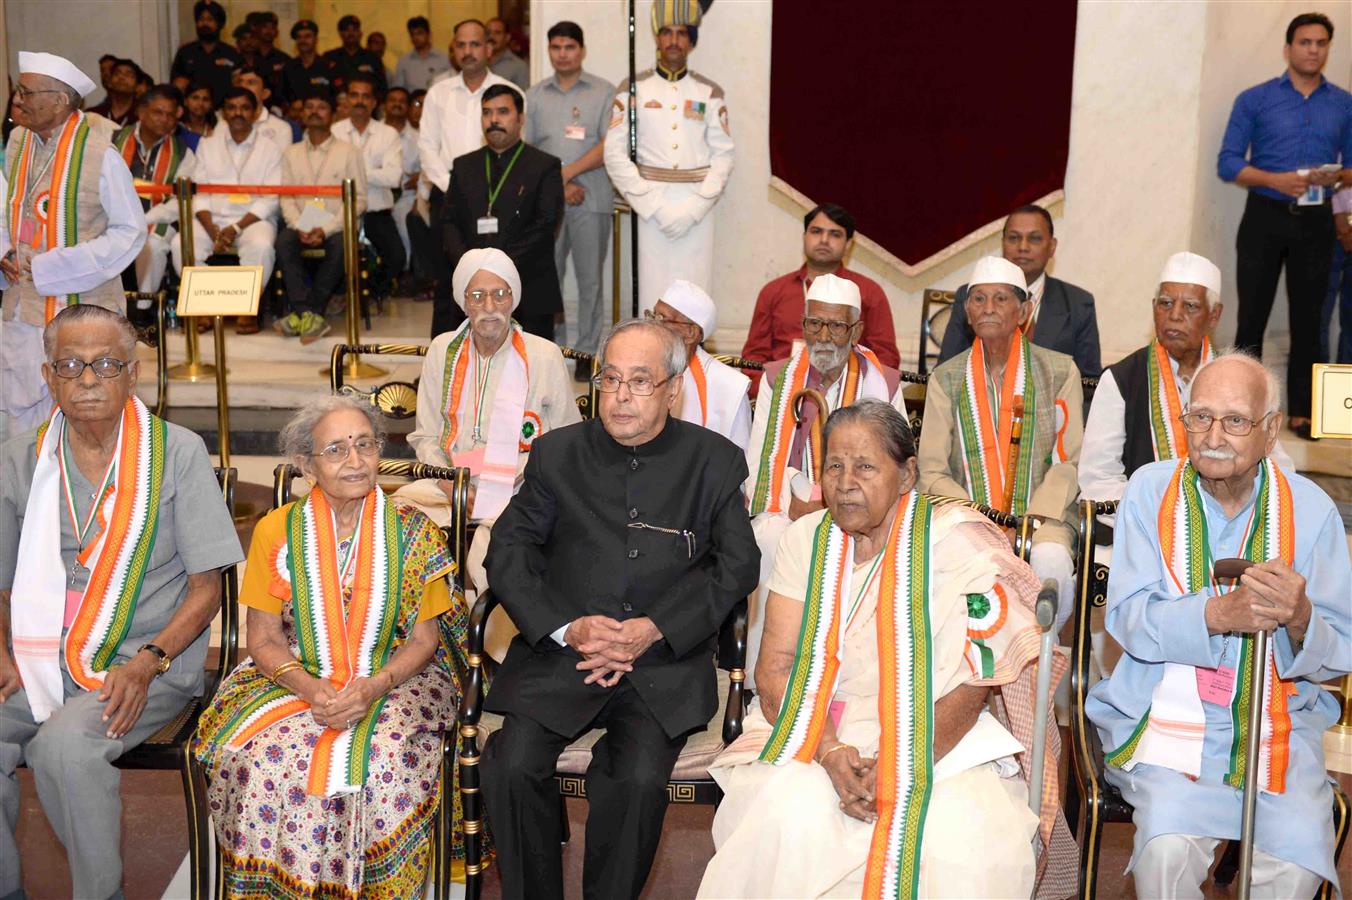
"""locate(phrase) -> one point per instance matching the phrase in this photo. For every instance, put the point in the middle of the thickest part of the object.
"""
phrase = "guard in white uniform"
(713, 394)
(685, 155)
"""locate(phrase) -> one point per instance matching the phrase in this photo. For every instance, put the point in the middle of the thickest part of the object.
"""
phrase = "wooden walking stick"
(1015, 436)
(818, 425)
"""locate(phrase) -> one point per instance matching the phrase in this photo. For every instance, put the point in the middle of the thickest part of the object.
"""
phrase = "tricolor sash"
(53, 206)
(905, 765)
(1173, 730)
(863, 377)
(986, 442)
(126, 521)
(510, 425)
(162, 164)
(338, 639)
(1167, 436)
(695, 403)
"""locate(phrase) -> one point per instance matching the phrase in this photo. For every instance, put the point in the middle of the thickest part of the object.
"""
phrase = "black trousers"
(314, 296)
(382, 234)
(541, 325)
(1273, 233)
(429, 254)
(626, 794)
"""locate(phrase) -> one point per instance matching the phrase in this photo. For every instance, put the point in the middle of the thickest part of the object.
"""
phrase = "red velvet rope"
(282, 190)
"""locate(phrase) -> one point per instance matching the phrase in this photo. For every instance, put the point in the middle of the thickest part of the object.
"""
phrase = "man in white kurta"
(685, 157)
(781, 452)
(491, 408)
(1183, 637)
(713, 394)
(46, 261)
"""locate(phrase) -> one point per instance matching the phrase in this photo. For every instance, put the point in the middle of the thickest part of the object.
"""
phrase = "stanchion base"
(193, 371)
(353, 367)
(1342, 729)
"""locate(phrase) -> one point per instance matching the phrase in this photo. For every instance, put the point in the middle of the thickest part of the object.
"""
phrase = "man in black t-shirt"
(352, 58)
(306, 70)
(208, 59)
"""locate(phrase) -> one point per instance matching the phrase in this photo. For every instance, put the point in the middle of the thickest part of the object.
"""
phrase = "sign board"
(1332, 401)
(220, 291)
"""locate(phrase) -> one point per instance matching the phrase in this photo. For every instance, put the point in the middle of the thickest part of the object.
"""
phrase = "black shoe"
(1303, 432)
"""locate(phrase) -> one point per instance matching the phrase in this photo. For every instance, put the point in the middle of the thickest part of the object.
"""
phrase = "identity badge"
(488, 225)
(575, 132)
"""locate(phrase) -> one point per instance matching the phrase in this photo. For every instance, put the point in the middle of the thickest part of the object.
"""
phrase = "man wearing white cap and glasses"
(784, 452)
(712, 394)
(56, 162)
(1004, 421)
(488, 390)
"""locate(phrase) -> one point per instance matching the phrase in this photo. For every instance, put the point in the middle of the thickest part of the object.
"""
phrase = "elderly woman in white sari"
(889, 752)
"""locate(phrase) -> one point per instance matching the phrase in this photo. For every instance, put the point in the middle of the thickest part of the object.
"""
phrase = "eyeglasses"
(24, 93)
(667, 321)
(1237, 425)
(814, 325)
(639, 385)
(1190, 307)
(478, 297)
(104, 367)
(339, 451)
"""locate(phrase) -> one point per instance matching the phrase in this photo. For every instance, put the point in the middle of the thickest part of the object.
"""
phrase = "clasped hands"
(609, 647)
(341, 709)
(1270, 594)
(854, 777)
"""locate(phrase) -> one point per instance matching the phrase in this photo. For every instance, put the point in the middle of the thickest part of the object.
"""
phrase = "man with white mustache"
(785, 449)
(488, 390)
(1188, 638)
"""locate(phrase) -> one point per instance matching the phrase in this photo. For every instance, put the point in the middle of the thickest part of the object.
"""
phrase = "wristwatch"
(163, 665)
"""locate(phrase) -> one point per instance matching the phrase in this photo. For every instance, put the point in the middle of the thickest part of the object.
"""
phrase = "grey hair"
(1273, 384)
(887, 422)
(297, 437)
(673, 347)
(74, 315)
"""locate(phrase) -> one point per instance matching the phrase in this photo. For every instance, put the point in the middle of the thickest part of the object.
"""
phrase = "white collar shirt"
(451, 125)
(382, 156)
(220, 160)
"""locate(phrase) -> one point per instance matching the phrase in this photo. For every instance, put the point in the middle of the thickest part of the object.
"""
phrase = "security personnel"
(685, 156)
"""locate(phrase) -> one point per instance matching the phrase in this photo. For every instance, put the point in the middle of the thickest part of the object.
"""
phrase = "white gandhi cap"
(1189, 268)
(691, 301)
(997, 270)
(836, 290)
(57, 67)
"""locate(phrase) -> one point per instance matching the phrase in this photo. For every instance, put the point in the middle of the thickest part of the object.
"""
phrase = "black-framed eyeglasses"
(639, 385)
(104, 367)
(24, 93)
(814, 325)
(1234, 424)
(339, 451)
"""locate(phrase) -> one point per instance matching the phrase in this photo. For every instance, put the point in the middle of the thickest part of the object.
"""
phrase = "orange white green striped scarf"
(986, 445)
(1173, 730)
(161, 166)
(127, 518)
(905, 698)
(337, 640)
(511, 427)
(1166, 407)
(862, 378)
(54, 206)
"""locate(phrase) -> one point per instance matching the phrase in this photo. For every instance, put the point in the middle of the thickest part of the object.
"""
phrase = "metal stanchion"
(353, 367)
(193, 369)
(615, 267)
(222, 401)
(1344, 725)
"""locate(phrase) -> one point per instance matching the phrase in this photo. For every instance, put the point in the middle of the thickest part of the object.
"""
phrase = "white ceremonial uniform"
(726, 397)
(408, 141)
(451, 126)
(220, 160)
(685, 155)
(382, 154)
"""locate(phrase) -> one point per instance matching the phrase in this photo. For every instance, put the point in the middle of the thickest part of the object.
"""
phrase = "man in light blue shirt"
(567, 115)
(416, 68)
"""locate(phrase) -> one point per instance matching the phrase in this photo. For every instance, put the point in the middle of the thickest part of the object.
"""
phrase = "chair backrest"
(229, 656)
(156, 336)
(1091, 592)
(936, 306)
(394, 399)
(586, 403)
(1024, 526)
(456, 533)
(738, 362)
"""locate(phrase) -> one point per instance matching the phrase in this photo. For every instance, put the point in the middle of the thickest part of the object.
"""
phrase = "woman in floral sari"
(323, 748)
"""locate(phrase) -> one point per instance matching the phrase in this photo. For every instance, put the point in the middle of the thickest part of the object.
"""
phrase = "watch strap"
(164, 662)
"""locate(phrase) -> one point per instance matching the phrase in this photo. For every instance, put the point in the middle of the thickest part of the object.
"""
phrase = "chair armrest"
(732, 657)
(472, 702)
(1086, 752)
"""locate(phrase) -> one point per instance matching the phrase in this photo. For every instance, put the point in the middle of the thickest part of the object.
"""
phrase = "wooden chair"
(394, 399)
(156, 336)
(690, 781)
(458, 541)
(936, 307)
(1102, 802)
(586, 403)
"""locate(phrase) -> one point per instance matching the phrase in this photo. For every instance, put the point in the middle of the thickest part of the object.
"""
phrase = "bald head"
(1232, 393)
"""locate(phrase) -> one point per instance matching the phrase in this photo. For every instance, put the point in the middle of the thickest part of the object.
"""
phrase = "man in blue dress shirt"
(1284, 142)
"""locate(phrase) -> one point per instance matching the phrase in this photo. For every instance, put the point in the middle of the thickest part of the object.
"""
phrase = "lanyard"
(230, 156)
(859, 597)
(481, 388)
(310, 148)
(82, 531)
(348, 557)
(488, 176)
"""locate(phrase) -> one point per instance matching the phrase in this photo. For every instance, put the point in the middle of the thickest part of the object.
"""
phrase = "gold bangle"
(822, 759)
(290, 665)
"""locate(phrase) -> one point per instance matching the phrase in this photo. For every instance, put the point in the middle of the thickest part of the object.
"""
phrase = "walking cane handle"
(1231, 568)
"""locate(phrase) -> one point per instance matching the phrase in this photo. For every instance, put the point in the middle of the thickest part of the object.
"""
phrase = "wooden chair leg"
(1072, 805)
(1089, 850)
(199, 821)
(471, 802)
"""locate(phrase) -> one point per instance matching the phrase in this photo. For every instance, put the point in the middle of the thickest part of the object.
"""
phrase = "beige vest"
(91, 221)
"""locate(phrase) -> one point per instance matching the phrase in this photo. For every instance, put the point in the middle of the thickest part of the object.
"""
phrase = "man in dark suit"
(507, 195)
(626, 547)
(1062, 317)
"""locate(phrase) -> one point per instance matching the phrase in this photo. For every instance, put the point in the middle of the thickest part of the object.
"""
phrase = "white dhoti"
(256, 246)
(152, 261)
(661, 259)
(768, 529)
(24, 401)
